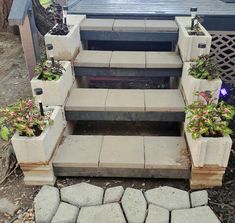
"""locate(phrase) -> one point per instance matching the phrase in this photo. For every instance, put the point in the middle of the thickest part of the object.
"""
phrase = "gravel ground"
(14, 84)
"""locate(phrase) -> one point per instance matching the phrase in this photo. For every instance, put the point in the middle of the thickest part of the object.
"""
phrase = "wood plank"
(120, 172)
(162, 116)
(126, 72)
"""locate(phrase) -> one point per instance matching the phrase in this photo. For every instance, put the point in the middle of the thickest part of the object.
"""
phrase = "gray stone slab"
(166, 152)
(163, 60)
(194, 215)
(107, 213)
(161, 25)
(125, 100)
(129, 25)
(93, 58)
(164, 100)
(168, 197)
(79, 151)
(134, 205)
(199, 198)
(86, 99)
(7, 207)
(157, 215)
(113, 194)
(82, 194)
(66, 213)
(46, 204)
(127, 59)
(97, 24)
(122, 152)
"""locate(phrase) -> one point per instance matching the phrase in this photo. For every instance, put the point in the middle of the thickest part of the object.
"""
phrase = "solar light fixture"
(202, 47)
(193, 11)
(65, 13)
(50, 49)
(39, 92)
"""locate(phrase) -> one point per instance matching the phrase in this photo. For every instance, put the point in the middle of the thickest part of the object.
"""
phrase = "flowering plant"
(207, 119)
(23, 117)
(45, 70)
(205, 67)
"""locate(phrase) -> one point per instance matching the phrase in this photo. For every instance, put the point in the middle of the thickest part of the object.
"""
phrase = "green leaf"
(5, 133)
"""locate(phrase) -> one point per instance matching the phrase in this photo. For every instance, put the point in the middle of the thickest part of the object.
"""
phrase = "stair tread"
(129, 25)
(125, 100)
(128, 59)
(145, 152)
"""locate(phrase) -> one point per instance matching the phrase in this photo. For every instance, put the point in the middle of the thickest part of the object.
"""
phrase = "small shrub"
(204, 68)
(22, 117)
(207, 119)
(45, 70)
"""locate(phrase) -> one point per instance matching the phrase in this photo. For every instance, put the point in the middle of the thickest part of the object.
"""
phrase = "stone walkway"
(85, 203)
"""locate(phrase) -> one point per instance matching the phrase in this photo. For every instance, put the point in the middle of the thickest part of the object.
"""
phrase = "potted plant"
(33, 135)
(189, 39)
(207, 130)
(200, 75)
(55, 79)
(64, 36)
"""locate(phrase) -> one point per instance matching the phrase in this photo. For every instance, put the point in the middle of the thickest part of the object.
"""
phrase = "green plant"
(22, 117)
(48, 71)
(205, 67)
(207, 119)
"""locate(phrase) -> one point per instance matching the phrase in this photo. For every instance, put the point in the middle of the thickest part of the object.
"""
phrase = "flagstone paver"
(113, 194)
(194, 215)
(157, 215)
(107, 213)
(66, 213)
(134, 205)
(82, 203)
(168, 197)
(46, 203)
(199, 198)
(82, 194)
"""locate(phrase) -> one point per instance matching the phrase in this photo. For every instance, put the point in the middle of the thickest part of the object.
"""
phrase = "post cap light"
(201, 45)
(38, 91)
(49, 46)
(193, 9)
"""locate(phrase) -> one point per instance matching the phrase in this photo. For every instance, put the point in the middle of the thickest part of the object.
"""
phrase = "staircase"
(125, 155)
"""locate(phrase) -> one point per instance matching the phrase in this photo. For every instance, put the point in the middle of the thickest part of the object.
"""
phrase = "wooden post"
(22, 15)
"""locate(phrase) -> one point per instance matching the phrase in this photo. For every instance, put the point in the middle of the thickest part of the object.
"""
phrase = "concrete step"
(125, 104)
(129, 30)
(122, 156)
(128, 63)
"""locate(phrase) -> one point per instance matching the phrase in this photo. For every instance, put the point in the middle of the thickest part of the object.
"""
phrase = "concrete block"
(122, 152)
(161, 25)
(129, 25)
(97, 24)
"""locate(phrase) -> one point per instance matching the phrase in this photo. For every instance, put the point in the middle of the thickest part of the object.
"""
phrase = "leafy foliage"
(205, 67)
(55, 13)
(23, 117)
(45, 70)
(208, 119)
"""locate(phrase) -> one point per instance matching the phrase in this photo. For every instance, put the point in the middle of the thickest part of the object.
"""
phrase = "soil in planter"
(216, 135)
(37, 131)
(194, 33)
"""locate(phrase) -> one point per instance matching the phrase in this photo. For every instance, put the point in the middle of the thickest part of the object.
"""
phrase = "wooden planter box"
(191, 84)
(209, 151)
(39, 149)
(188, 44)
(65, 47)
(54, 92)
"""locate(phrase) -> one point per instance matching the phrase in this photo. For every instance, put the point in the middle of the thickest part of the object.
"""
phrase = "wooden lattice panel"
(223, 49)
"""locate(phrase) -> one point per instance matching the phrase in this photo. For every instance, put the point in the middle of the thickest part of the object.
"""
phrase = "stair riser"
(127, 72)
(125, 116)
(121, 172)
(129, 36)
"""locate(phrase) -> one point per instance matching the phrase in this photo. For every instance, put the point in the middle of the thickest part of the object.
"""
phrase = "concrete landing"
(133, 156)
